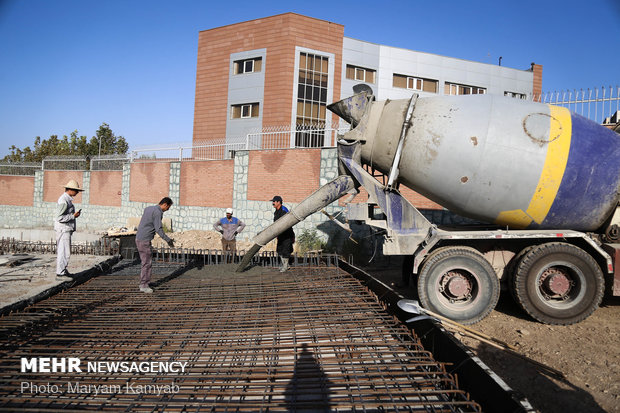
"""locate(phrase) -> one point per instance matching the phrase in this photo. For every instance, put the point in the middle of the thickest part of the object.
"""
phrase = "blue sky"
(74, 64)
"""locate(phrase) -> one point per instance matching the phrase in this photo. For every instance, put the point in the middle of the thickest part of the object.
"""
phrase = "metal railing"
(295, 136)
(188, 151)
(274, 137)
(600, 105)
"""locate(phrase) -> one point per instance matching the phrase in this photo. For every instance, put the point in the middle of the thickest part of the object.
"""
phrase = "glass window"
(244, 111)
(415, 83)
(248, 65)
(458, 89)
(311, 100)
(361, 74)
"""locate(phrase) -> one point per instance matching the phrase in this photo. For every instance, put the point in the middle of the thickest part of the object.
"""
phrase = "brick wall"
(17, 190)
(418, 200)
(208, 183)
(537, 87)
(54, 182)
(106, 188)
(292, 174)
(279, 35)
(149, 182)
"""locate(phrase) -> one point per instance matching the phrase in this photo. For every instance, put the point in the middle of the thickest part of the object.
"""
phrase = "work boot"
(284, 265)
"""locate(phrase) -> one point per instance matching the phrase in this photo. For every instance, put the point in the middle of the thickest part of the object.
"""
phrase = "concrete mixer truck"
(544, 180)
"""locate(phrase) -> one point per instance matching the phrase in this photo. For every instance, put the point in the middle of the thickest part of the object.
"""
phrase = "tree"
(104, 142)
(109, 143)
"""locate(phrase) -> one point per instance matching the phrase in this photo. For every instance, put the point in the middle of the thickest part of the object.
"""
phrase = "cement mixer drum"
(523, 165)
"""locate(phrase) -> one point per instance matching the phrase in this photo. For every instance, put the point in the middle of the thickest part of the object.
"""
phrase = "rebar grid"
(310, 339)
(12, 246)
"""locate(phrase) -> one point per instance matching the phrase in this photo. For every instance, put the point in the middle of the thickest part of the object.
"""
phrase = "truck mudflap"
(614, 251)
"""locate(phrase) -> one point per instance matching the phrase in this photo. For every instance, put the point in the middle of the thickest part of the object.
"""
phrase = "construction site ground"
(587, 353)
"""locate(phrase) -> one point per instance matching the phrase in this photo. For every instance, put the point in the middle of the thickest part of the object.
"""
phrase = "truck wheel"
(458, 283)
(558, 283)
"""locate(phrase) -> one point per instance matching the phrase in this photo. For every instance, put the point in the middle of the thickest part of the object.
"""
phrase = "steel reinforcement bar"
(310, 339)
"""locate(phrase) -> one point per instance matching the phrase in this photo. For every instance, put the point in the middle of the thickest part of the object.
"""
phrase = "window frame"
(246, 108)
(414, 80)
(245, 66)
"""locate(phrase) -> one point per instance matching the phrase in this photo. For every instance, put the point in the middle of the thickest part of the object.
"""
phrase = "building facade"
(285, 69)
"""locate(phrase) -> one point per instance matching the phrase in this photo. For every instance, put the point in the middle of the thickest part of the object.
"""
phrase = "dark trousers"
(144, 249)
(285, 247)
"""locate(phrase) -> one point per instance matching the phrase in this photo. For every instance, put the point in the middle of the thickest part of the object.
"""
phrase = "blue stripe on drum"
(588, 192)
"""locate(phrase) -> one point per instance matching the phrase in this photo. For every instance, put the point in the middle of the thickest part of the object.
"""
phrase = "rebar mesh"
(310, 339)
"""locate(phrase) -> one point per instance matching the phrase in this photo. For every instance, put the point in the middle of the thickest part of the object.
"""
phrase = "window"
(248, 65)
(515, 95)
(244, 111)
(361, 73)
(415, 83)
(311, 100)
(458, 89)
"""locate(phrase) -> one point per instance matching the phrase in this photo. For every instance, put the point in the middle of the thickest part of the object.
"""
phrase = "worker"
(286, 239)
(229, 227)
(150, 223)
(64, 226)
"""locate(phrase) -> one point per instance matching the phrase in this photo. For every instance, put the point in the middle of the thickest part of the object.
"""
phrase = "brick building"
(285, 69)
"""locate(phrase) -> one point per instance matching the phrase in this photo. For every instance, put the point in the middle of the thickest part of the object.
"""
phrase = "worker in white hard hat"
(229, 227)
(64, 226)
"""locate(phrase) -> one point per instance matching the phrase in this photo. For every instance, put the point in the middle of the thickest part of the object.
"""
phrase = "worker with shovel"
(150, 223)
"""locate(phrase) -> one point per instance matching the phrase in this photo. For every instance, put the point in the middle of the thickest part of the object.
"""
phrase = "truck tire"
(558, 283)
(511, 269)
(458, 283)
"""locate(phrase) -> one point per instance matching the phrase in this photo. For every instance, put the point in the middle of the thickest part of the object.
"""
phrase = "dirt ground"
(205, 240)
(588, 353)
(35, 273)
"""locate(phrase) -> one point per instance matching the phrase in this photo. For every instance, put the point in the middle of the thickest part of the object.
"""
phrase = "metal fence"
(600, 105)
(108, 162)
(25, 168)
(65, 163)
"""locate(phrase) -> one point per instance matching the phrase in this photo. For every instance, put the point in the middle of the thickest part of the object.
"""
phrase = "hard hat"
(229, 210)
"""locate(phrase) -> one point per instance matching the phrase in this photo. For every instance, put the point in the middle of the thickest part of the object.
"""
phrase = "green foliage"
(309, 241)
(104, 142)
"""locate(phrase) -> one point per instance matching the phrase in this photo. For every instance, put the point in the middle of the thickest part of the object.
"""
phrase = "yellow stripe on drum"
(555, 164)
(551, 176)
(515, 218)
